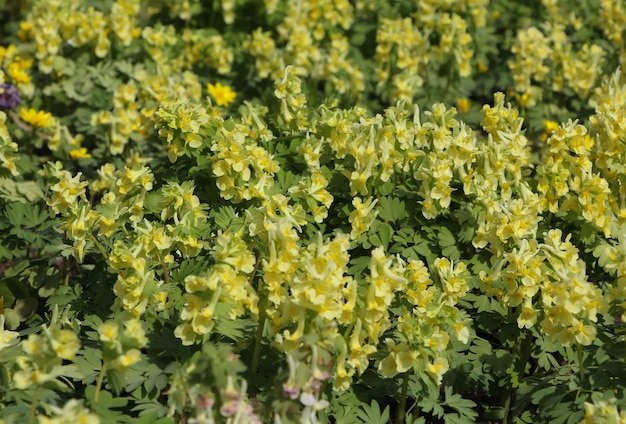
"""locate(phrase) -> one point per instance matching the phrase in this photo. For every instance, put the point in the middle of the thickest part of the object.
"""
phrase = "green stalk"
(166, 272)
(213, 9)
(581, 365)
(521, 353)
(507, 406)
(99, 246)
(33, 406)
(66, 271)
(402, 406)
(183, 400)
(262, 317)
(96, 395)
(259, 336)
(346, 333)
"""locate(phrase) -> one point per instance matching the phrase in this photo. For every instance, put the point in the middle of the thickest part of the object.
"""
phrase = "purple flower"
(9, 96)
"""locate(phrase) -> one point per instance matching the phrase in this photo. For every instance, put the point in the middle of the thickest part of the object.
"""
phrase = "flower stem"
(98, 246)
(166, 272)
(33, 406)
(259, 336)
(581, 365)
(66, 271)
(96, 395)
(402, 406)
(521, 353)
(262, 316)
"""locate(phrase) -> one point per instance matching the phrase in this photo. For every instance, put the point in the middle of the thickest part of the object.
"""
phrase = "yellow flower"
(26, 28)
(65, 343)
(222, 94)
(550, 126)
(80, 153)
(462, 105)
(437, 369)
(17, 74)
(37, 118)
(108, 331)
(126, 360)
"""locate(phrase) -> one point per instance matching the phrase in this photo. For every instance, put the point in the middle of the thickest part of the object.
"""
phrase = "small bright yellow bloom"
(37, 118)
(462, 105)
(550, 126)
(17, 74)
(25, 31)
(523, 99)
(80, 153)
(222, 94)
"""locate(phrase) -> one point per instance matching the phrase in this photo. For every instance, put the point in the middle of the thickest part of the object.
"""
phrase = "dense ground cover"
(312, 211)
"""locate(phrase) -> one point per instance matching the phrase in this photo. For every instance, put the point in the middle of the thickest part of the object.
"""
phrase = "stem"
(166, 272)
(259, 336)
(98, 246)
(521, 352)
(581, 366)
(448, 83)
(213, 10)
(506, 406)
(96, 395)
(402, 406)
(33, 406)
(346, 333)
(66, 271)
(262, 318)
(183, 400)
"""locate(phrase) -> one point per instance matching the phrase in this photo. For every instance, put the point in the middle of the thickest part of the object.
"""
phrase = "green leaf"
(432, 406)
(451, 252)
(358, 265)
(463, 406)
(225, 216)
(588, 233)
(153, 418)
(445, 237)
(371, 414)
(25, 308)
(89, 363)
(116, 380)
(391, 209)
(385, 232)
(466, 233)
(12, 289)
(26, 192)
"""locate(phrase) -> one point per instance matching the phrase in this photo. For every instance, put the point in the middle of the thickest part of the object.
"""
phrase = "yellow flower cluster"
(180, 124)
(551, 62)
(608, 126)
(8, 148)
(122, 348)
(603, 412)
(43, 355)
(72, 412)
(436, 33)
(614, 24)
(243, 168)
(66, 191)
(567, 306)
(226, 286)
(15, 68)
(310, 40)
